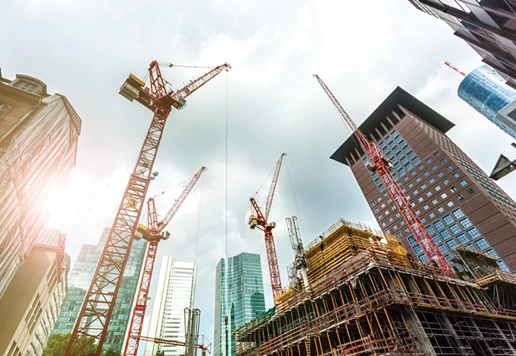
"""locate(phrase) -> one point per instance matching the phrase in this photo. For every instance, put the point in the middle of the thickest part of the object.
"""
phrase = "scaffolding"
(367, 296)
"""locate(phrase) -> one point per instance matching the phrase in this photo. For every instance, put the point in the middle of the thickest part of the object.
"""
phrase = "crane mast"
(154, 235)
(95, 314)
(260, 220)
(381, 165)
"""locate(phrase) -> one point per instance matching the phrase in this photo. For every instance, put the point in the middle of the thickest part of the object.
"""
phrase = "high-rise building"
(238, 298)
(487, 26)
(457, 201)
(80, 280)
(175, 292)
(38, 146)
(32, 301)
(485, 90)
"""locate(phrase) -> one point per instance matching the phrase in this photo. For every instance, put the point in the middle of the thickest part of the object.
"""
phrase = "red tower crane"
(381, 165)
(154, 234)
(94, 317)
(260, 220)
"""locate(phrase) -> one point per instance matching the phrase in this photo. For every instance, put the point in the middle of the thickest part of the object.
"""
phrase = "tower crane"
(381, 165)
(260, 220)
(154, 233)
(205, 349)
(95, 314)
(299, 265)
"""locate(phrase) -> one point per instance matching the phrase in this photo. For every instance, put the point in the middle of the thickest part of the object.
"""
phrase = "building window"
(452, 244)
(440, 174)
(429, 161)
(437, 154)
(420, 199)
(431, 215)
(474, 233)
(437, 188)
(453, 189)
(426, 207)
(434, 167)
(443, 161)
(440, 209)
(462, 238)
(470, 190)
(450, 204)
(444, 196)
(446, 181)
(4, 108)
(482, 243)
(429, 194)
(430, 229)
(466, 223)
(426, 174)
(25, 85)
(455, 229)
(432, 180)
(434, 201)
(456, 175)
(421, 166)
(450, 167)
(412, 240)
(460, 197)
(439, 225)
(445, 234)
(448, 220)
(458, 214)
(411, 185)
(418, 179)
(463, 183)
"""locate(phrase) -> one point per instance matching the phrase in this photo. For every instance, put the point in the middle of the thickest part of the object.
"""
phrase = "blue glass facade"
(403, 158)
(433, 185)
(485, 90)
(238, 296)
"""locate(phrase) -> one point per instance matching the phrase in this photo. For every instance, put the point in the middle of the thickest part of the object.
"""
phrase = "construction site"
(367, 296)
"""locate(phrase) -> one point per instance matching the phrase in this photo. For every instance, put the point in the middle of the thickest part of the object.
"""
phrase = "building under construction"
(367, 296)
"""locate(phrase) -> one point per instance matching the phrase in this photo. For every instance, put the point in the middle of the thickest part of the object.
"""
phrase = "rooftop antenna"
(455, 68)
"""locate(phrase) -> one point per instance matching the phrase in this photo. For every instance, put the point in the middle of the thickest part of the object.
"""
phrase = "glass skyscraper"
(238, 297)
(485, 90)
(80, 279)
(175, 292)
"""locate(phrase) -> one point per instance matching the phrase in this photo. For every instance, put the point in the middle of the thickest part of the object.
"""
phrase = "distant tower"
(238, 296)
(175, 292)
(38, 147)
(79, 281)
(485, 90)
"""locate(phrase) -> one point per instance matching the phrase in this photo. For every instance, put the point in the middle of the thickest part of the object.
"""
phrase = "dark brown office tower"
(456, 200)
(488, 26)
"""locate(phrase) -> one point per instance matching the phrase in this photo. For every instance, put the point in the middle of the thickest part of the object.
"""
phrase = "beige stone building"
(38, 146)
(31, 303)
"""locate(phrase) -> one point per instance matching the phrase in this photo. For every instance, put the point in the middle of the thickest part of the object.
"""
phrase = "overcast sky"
(362, 49)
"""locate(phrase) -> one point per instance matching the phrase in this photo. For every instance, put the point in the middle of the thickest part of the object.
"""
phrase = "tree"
(160, 353)
(57, 344)
(111, 352)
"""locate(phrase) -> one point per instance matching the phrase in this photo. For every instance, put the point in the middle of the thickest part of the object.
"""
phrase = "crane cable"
(226, 266)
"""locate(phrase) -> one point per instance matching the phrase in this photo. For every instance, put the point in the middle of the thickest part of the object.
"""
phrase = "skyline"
(113, 128)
